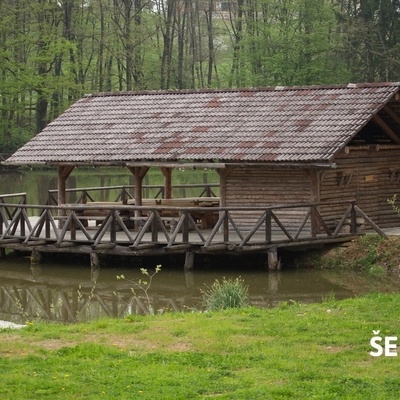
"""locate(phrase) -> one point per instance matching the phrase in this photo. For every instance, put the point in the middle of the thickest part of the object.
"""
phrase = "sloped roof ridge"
(244, 89)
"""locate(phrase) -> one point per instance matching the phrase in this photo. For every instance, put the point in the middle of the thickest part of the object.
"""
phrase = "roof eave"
(328, 164)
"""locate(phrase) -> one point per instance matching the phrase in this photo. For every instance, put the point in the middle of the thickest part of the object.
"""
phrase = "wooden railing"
(125, 192)
(137, 228)
(11, 213)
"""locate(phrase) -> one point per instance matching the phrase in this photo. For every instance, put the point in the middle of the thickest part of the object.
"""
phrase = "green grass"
(318, 351)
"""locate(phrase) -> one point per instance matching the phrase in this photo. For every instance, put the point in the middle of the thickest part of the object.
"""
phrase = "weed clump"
(228, 293)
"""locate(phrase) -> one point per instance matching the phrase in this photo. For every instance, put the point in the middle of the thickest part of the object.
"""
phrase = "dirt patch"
(336, 349)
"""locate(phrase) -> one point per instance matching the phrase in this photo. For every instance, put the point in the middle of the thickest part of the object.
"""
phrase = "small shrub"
(229, 293)
(143, 286)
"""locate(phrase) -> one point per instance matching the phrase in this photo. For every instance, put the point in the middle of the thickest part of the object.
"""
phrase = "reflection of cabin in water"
(272, 146)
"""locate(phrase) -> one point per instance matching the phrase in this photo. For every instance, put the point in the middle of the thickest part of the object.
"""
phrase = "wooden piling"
(274, 263)
(189, 260)
(94, 260)
(35, 256)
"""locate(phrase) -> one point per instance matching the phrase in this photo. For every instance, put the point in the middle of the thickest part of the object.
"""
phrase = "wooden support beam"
(274, 264)
(64, 171)
(218, 247)
(94, 260)
(65, 244)
(32, 243)
(149, 164)
(167, 172)
(178, 248)
(315, 185)
(392, 114)
(189, 261)
(386, 128)
(35, 256)
(139, 173)
(223, 175)
(252, 249)
(143, 246)
(10, 241)
(104, 246)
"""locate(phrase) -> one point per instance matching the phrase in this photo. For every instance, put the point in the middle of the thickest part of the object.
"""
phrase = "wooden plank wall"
(268, 187)
(368, 175)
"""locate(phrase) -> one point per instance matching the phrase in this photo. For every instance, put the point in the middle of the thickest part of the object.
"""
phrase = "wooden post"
(167, 172)
(268, 225)
(274, 263)
(35, 256)
(2, 250)
(273, 282)
(139, 173)
(189, 278)
(94, 260)
(353, 219)
(315, 185)
(189, 260)
(63, 173)
(94, 269)
(185, 227)
(223, 174)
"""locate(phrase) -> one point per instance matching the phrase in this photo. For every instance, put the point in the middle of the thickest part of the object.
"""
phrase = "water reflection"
(70, 293)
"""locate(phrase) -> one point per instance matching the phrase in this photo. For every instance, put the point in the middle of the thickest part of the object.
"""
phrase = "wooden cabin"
(271, 146)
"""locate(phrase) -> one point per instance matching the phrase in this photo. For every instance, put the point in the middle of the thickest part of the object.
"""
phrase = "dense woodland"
(54, 51)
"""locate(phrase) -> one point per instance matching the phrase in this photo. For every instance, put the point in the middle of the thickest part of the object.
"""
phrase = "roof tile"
(279, 124)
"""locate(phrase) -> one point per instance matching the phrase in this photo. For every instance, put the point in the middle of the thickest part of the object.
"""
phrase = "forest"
(54, 51)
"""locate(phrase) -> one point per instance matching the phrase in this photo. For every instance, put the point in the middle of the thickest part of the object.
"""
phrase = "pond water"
(70, 293)
(55, 291)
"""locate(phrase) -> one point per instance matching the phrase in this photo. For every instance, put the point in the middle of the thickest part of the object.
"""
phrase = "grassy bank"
(370, 253)
(317, 351)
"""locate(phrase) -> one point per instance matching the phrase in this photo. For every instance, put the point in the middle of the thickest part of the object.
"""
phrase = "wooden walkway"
(129, 230)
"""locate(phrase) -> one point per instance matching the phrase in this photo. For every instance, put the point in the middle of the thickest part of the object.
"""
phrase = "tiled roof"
(299, 124)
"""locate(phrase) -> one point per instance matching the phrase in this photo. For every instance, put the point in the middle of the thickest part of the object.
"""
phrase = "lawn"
(294, 351)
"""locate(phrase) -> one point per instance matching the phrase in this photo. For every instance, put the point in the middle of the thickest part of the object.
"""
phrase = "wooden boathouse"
(297, 166)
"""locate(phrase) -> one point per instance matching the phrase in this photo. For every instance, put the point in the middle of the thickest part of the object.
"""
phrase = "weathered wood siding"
(369, 175)
(268, 187)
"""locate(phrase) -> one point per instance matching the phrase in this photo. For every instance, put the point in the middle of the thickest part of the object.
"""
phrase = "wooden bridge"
(193, 225)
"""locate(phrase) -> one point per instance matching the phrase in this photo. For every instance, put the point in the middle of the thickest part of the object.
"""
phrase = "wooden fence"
(125, 192)
(125, 228)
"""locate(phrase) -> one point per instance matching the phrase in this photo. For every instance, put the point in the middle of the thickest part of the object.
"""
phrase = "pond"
(56, 291)
(70, 293)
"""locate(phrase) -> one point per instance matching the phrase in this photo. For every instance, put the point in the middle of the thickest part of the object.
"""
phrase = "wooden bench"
(206, 219)
(86, 213)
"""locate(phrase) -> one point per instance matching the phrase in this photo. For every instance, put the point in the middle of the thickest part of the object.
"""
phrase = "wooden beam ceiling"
(386, 128)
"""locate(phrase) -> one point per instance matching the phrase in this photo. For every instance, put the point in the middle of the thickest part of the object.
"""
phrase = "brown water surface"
(70, 293)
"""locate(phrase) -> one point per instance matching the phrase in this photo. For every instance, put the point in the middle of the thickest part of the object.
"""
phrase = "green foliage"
(228, 293)
(52, 52)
